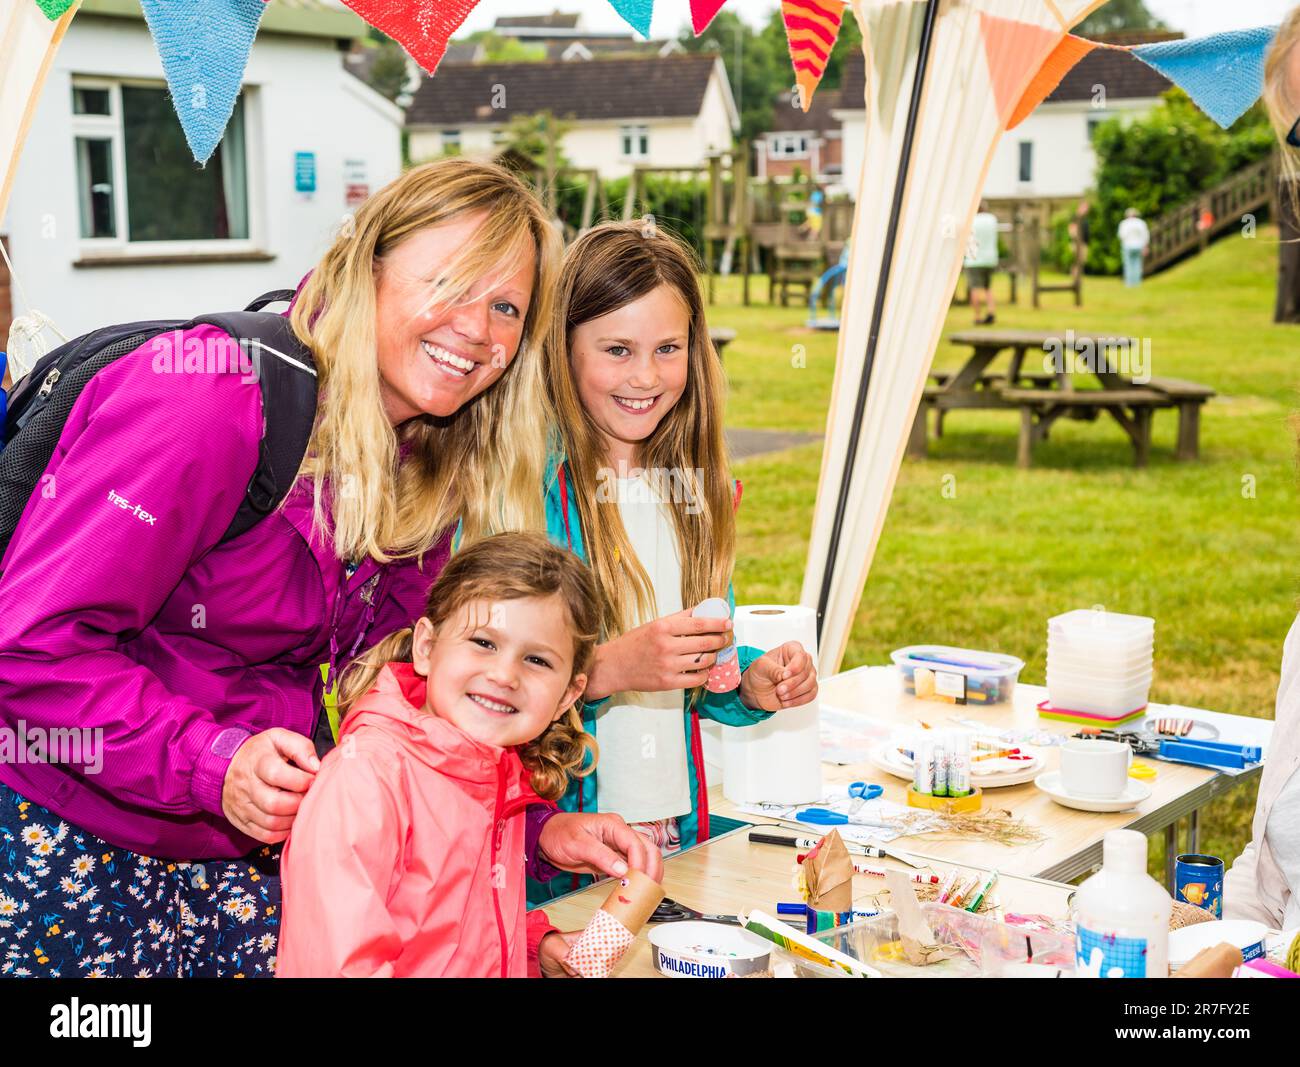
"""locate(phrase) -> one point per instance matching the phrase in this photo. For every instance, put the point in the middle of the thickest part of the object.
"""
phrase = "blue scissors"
(860, 792)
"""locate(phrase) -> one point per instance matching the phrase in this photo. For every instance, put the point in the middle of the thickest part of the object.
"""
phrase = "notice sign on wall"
(356, 185)
(304, 172)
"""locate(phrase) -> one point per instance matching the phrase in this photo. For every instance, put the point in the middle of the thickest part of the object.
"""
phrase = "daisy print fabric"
(74, 906)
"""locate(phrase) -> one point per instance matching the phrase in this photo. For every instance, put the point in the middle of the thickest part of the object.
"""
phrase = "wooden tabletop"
(728, 874)
(1072, 845)
(984, 338)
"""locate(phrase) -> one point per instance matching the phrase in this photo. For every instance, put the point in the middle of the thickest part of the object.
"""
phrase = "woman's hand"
(674, 652)
(782, 678)
(553, 950)
(263, 787)
(601, 844)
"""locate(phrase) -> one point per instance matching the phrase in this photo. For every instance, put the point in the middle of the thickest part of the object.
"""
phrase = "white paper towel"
(777, 761)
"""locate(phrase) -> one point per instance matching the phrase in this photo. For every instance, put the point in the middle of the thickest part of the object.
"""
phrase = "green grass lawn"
(1209, 549)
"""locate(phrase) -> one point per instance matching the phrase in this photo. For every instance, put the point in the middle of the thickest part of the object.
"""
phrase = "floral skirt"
(74, 906)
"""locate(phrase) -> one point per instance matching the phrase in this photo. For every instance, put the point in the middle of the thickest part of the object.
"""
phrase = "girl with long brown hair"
(640, 487)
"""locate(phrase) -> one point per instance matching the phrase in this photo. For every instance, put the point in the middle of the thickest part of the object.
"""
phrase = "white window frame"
(1020, 162)
(633, 137)
(789, 146)
(450, 137)
(109, 127)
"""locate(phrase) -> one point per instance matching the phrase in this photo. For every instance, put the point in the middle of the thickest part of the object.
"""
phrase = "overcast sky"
(1195, 17)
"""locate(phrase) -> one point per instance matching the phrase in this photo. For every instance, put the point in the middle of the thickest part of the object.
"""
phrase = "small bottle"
(1122, 914)
(923, 766)
(959, 763)
(941, 765)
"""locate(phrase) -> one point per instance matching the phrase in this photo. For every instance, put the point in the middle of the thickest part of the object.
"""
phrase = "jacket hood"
(395, 705)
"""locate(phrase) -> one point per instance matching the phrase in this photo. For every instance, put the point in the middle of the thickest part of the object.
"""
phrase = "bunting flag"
(422, 27)
(28, 41)
(54, 9)
(1223, 73)
(811, 27)
(204, 46)
(703, 12)
(636, 13)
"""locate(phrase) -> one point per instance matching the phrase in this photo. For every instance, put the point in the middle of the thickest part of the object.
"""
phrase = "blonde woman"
(639, 486)
(1264, 882)
(192, 665)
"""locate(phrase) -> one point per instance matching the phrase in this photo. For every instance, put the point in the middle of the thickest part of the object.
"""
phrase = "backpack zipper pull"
(48, 384)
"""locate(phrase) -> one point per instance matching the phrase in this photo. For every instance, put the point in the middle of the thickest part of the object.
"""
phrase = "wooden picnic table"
(1043, 396)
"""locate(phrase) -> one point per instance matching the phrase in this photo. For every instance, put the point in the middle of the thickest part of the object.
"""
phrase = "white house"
(1049, 155)
(662, 111)
(111, 220)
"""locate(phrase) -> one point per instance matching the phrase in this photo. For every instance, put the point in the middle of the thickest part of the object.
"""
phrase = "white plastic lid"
(1124, 852)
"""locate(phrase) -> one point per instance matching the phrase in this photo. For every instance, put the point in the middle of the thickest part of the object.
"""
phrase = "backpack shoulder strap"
(287, 375)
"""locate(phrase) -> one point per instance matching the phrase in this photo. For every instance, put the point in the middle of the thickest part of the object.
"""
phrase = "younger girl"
(641, 490)
(407, 855)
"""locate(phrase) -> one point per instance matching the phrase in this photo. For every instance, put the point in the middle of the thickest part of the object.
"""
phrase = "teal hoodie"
(725, 708)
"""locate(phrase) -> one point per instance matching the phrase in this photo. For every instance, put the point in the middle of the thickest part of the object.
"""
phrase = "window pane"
(1026, 161)
(95, 187)
(90, 101)
(169, 197)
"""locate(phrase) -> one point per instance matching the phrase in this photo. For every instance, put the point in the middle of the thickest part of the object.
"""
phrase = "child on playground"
(407, 855)
(639, 487)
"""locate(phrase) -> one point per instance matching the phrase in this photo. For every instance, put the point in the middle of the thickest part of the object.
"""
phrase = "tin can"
(1198, 880)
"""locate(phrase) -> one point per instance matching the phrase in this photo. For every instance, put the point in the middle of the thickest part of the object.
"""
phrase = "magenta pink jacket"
(130, 618)
(406, 859)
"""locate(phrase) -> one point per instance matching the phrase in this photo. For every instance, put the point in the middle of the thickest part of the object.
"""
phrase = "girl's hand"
(263, 787)
(674, 652)
(598, 843)
(782, 678)
(552, 952)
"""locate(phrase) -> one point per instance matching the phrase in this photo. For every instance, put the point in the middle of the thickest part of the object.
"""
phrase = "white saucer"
(1134, 793)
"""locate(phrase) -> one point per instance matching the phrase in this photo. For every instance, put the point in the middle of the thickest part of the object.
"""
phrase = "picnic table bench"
(1044, 396)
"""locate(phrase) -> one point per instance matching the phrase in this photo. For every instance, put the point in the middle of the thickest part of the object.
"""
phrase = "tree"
(1119, 15)
(756, 69)
(389, 71)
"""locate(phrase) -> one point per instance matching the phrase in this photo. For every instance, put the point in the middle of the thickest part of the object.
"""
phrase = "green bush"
(1155, 163)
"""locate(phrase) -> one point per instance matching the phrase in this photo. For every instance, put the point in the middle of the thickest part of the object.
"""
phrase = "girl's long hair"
(607, 268)
(464, 466)
(1282, 104)
(508, 566)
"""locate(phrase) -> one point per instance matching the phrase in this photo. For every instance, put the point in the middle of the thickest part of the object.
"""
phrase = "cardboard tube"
(634, 899)
(1218, 961)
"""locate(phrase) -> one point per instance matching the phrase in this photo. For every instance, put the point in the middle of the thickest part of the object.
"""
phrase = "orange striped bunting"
(811, 27)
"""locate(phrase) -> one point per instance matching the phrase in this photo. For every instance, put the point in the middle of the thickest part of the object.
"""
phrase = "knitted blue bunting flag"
(636, 13)
(1223, 73)
(204, 46)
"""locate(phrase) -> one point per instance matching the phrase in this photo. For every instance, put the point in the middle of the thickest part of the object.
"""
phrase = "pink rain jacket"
(406, 858)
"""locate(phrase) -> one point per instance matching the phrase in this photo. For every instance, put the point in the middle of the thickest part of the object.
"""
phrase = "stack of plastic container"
(1099, 667)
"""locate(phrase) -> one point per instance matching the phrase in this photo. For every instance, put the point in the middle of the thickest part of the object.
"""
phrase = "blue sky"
(1195, 17)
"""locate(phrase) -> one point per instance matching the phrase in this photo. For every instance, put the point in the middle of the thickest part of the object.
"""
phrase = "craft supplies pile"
(853, 920)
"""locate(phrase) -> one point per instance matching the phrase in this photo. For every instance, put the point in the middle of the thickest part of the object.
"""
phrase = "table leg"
(1194, 835)
(1171, 852)
(1189, 431)
(917, 443)
(1024, 453)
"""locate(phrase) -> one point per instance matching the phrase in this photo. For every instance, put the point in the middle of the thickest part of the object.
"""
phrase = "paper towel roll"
(777, 761)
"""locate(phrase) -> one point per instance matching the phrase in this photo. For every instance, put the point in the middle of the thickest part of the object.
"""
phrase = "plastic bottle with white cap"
(1122, 914)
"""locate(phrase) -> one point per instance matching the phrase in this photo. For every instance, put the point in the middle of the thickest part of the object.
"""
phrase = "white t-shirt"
(1283, 833)
(642, 770)
(1133, 233)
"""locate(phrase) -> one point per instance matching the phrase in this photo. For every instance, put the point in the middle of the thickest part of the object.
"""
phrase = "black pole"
(886, 260)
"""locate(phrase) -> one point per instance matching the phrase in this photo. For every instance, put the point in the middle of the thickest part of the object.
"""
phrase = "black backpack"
(39, 405)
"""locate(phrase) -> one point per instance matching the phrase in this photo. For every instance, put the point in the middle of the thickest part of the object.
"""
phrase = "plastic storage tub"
(957, 675)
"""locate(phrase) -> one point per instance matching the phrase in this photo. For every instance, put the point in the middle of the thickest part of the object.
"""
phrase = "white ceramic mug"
(1095, 769)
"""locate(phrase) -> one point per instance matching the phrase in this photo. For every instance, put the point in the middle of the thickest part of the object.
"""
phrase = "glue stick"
(941, 764)
(958, 763)
(923, 766)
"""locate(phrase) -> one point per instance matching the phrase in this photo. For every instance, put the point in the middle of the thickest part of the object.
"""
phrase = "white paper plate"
(1134, 793)
(707, 950)
(987, 774)
(1245, 934)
